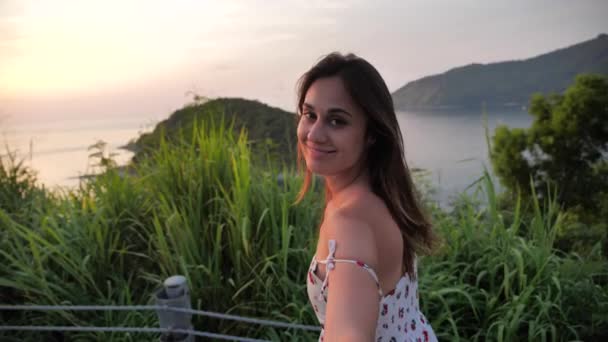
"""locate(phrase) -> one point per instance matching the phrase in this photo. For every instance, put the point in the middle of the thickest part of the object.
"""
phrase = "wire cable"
(267, 322)
(127, 329)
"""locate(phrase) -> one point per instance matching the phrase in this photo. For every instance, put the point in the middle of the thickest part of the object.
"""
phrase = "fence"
(173, 310)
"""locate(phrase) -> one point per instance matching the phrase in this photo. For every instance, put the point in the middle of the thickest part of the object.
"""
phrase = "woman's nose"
(317, 133)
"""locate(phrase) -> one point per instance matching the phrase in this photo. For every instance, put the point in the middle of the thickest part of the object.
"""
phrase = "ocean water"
(59, 151)
(450, 144)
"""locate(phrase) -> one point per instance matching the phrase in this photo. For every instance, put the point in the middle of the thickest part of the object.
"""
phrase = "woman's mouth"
(316, 152)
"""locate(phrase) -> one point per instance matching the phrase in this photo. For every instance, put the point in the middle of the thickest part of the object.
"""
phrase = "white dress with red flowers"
(399, 316)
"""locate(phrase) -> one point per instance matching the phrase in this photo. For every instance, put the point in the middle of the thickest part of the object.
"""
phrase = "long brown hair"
(390, 176)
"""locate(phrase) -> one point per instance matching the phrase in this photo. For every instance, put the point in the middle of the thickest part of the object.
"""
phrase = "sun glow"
(59, 47)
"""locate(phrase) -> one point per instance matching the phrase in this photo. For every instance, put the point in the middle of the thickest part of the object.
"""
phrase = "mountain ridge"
(505, 83)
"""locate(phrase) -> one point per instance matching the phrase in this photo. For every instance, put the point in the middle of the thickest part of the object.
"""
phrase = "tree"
(566, 146)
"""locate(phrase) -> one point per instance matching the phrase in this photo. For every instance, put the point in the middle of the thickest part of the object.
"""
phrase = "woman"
(362, 281)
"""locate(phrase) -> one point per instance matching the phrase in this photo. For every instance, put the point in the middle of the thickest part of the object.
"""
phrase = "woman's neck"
(341, 186)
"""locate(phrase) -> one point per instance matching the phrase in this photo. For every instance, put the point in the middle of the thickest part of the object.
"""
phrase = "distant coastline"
(494, 106)
(505, 84)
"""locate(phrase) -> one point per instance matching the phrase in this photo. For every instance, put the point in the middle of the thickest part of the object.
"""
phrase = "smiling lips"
(316, 152)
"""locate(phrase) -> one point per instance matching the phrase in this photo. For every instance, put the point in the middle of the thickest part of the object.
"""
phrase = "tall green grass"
(504, 281)
(200, 207)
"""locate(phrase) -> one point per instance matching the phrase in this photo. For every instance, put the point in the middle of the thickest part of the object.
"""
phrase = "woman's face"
(331, 130)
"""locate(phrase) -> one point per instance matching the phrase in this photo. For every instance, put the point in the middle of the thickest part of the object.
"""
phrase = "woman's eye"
(309, 115)
(332, 122)
(337, 122)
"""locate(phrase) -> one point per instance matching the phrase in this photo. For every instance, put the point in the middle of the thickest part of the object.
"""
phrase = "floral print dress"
(399, 316)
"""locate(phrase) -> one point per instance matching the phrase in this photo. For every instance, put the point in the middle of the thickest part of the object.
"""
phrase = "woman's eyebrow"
(331, 110)
(339, 110)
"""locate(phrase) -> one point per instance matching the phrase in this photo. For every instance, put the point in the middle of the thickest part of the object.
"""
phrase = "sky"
(88, 59)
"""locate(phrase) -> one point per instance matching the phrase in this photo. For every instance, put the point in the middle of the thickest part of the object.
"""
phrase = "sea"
(450, 145)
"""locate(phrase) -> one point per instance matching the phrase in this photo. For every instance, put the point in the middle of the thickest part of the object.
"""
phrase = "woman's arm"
(353, 299)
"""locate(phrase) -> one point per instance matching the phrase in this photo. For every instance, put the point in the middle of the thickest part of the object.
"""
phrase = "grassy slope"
(262, 122)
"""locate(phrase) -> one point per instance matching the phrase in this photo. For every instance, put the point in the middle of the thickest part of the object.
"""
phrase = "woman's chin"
(319, 168)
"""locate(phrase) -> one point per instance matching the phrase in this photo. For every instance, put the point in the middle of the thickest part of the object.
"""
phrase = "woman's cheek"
(300, 131)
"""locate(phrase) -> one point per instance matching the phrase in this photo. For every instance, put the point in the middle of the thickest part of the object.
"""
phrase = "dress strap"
(331, 264)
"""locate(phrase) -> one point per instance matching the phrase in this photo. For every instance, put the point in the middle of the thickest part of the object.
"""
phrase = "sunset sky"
(62, 59)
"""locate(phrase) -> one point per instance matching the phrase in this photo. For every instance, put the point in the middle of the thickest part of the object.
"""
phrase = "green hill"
(269, 129)
(506, 83)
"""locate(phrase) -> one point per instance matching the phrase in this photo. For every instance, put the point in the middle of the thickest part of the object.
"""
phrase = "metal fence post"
(175, 293)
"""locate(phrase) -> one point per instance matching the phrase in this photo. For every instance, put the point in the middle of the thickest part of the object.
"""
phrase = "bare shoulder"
(368, 207)
(355, 238)
(352, 304)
